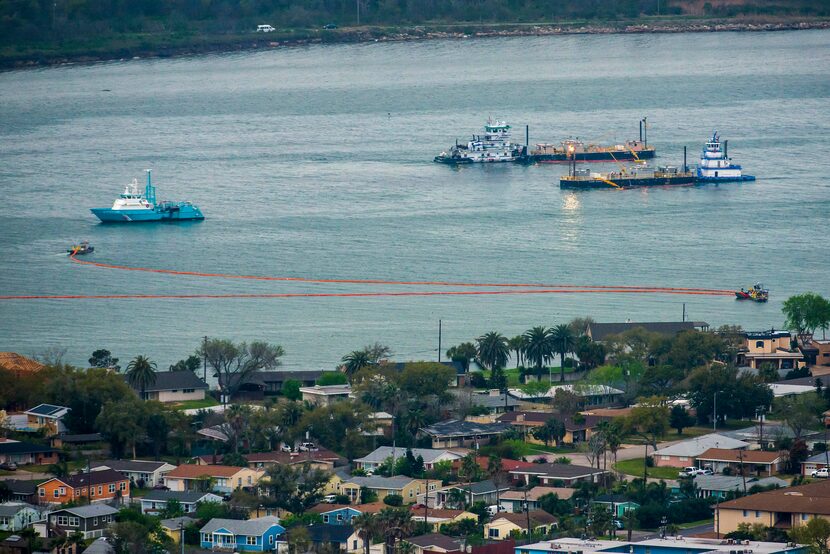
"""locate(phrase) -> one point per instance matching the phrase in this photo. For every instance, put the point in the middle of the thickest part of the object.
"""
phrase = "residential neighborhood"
(644, 439)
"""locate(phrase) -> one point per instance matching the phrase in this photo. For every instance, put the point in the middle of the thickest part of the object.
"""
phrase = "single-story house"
(434, 542)
(557, 474)
(746, 462)
(141, 473)
(174, 526)
(722, 485)
(259, 384)
(814, 462)
(156, 500)
(600, 332)
(99, 486)
(325, 395)
(781, 508)
(406, 487)
(343, 537)
(494, 401)
(616, 504)
(79, 441)
(454, 433)
(684, 454)
(22, 490)
(25, 453)
(47, 417)
(577, 429)
(252, 535)
(319, 459)
(430, 456)
(483, 491)
(514, 501)
(221, 479)
(174, 386)
(504, 525)
(437, 517)
(91, 521)
(484, 462)
(590, 395)
(17, 515)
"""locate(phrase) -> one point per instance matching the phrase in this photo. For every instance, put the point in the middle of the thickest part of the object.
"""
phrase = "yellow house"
(577, 429)
(173, 527)
(782, 508)
(438, 518)
(221, 479)
(503, 526)
(407, 487)
(770, 347)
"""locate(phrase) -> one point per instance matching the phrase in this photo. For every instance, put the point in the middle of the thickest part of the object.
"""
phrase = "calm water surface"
(317, 162)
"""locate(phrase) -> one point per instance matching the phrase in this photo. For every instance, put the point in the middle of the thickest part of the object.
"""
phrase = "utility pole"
(743, 474)
(715, 413)
(439, 340)
(527, 512)
(204, 359)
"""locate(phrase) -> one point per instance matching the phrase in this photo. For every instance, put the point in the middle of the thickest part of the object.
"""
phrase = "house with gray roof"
(340, 537)
(561, 475)
(685, 453)
(814, 462)
(46, 416)
(430, 456)
(174, 386)
(17, 515)
(494, 401)
(455, 433)
(91, 521)
(156, 500)
(143, 473)
(22, 490)
(721, 485)
(483, 491)
(254, 535)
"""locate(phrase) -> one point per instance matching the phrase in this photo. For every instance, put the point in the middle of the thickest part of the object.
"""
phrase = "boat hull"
(735, 179)
(626, 182)
(601, 156)
(182, 213)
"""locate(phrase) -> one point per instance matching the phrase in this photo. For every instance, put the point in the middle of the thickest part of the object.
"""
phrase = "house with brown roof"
(503, 525)
(577, 429)
(438, 517)
(220, 479)
(434, 542)
(557, 474)
(19, 365)
(319, 459)
(514, 501)
(742, 462)
(99, 486)
(780, 508)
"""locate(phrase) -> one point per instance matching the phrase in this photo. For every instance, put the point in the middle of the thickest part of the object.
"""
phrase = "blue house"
(254, 535)
(336, 514)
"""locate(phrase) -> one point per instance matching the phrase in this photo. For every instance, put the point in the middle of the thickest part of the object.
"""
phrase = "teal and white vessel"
(133, 206)
(716, 166)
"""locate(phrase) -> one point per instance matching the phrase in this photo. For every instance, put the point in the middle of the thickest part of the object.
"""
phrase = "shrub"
(393, 500)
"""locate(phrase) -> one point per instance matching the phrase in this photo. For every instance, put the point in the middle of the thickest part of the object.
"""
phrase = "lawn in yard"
(196, 404)
(635, 467)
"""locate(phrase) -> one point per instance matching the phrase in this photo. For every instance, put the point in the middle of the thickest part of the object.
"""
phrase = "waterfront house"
(721, 486)
(514, 501)
(141, 473)
(325, 395)
(430, 456)
(556, 475)
(174, 386)
(742, 462)
(25, 453)
(406, 487)
(14, 516)
(455, 433)
(781, 508)
(771, 347)
(616, 504)
(494, 401)
(341, 537)
(684, 454)
(252, 535)
(590, 395)
(814, 462)
(259, 384)
(46, 417)
(156, 500)
(90, 521)
(98, 486)
(19, 365)
(174, 526)
(219, 479)
(505, 525)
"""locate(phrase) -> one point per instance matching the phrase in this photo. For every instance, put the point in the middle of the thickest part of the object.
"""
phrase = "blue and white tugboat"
(492, 147)
(133, 207)
(716, 167)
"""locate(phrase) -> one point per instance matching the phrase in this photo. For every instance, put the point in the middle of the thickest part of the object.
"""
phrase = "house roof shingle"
(13, 361)
(381, 453)
(323, 532)
(458, 428)
(23, 448)
(813, 498)
(694, 447)
(537, 517)
(92, 510)
(248, 527)
(101, 477)
(185, 497)
(9, 509)
(435, 539)
(745, 456)
(558, 471)
(147, 466)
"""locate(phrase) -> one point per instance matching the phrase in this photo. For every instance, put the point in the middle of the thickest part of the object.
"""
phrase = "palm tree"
(538, 347)
(355, 361)
(564, 341)
(366, 525)
(493, 351)
(141, 373)
(463, 353)
(517, 344)
(396, 523)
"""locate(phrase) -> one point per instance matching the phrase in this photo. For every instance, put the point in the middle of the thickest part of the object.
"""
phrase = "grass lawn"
(73, 465)
(196, 404)
(690, 524)
(635, 468)
(513, 375)
(541, 448)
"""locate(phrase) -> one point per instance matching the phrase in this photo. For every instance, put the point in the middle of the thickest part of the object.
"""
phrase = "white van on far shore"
(264, 29)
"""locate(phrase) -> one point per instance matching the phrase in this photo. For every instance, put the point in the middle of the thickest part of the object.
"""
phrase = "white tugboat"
(716, 167)
(492, 147)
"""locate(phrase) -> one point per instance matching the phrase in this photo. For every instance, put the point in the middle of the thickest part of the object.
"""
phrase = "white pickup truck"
(823, 473)
(691, 471)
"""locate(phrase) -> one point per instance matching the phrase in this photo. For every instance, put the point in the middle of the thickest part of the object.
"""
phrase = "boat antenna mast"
(150, 190)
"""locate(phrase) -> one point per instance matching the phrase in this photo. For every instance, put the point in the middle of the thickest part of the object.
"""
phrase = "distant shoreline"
(156, 46)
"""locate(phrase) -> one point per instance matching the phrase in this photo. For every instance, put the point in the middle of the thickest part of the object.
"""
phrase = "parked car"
(285, 448)
(9, 466)
(308, 447)
(330, 498)
(691, 471)
(822, 473)
(493, 509)
(329, 26)
(264, 29)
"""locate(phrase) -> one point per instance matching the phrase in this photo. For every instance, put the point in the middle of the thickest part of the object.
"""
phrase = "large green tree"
(538, 347)
(233, 363)
(493, 351)
(564, 341)
(463, 353)
(805, 313)
(293, 488)
(141, 373)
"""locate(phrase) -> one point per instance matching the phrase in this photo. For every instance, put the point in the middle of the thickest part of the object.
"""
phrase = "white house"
(430, 456)
(143, 473)
(17, 515)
